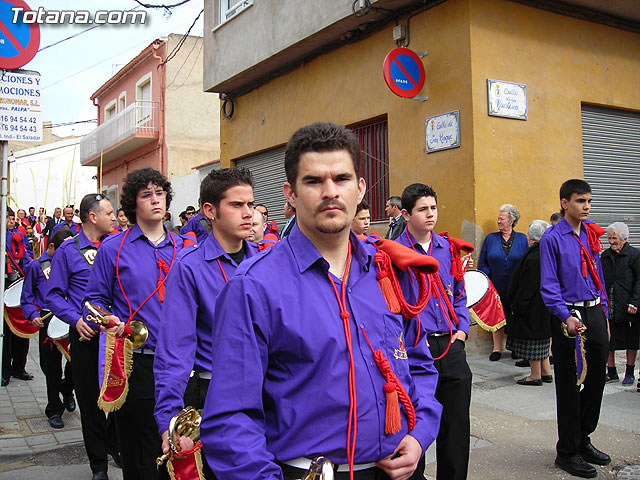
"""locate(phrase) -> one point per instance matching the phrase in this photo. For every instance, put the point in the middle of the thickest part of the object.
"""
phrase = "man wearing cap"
(307, 357)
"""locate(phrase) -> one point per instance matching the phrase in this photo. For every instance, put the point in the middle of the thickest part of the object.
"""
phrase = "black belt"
(438, 334)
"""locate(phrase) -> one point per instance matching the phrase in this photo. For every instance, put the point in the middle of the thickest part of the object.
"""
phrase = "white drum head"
(476, 285)
(57, 329)
(13, 293)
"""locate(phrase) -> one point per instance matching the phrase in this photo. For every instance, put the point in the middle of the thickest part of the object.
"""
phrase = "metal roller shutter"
(611, 154)
(268, 176)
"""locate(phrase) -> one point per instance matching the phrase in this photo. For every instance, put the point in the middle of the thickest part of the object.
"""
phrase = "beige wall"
(563, 61)
(192, 117)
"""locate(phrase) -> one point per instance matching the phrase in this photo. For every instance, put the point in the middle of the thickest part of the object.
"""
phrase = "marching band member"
(197, 224)
(15, 348)
(445, 321)
(572, 288)
(68, 221)
(67, 283)
(128, 281)
(294, 372)
(32, 303)
(200, 273)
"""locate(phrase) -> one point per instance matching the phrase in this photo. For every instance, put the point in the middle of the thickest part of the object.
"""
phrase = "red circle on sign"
(26, 53)
(403, 72)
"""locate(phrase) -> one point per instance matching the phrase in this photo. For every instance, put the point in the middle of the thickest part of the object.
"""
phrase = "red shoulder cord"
(162, 266)
(587, 261)
(440, 292)
(393, 388)
(11, 260)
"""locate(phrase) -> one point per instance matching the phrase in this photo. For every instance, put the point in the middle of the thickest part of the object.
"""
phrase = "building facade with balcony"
(153, 113)
(323, 61)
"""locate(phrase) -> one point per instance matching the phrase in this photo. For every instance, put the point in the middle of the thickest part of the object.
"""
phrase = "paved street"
(513, 429)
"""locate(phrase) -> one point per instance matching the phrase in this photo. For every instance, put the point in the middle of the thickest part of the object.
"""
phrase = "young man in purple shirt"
(128, 280)
(68, 221)
(200, 272)
(70, 268)
(572, 288)
(445, 322)
(294, 374)
(32, 302)
(198, 224)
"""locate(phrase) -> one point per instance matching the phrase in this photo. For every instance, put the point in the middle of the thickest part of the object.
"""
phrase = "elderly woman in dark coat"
(530, 323)
(621, 269)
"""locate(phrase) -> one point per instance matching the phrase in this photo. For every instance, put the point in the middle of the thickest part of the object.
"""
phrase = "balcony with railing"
(125, 132)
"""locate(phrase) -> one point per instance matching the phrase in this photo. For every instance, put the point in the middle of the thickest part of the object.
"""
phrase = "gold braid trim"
(114, 405)
(583, 354)
(62, 350)
(198, 458)
(16, 332)
(484, 326)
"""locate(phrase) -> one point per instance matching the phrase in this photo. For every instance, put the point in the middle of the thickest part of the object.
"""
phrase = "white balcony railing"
(140, 119)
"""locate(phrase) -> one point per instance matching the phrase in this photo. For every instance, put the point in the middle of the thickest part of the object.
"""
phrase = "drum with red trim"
(476, 284)
(13, 293)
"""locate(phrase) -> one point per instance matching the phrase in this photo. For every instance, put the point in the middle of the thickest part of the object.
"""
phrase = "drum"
(476, 284)
(13, 293)
(57, 329)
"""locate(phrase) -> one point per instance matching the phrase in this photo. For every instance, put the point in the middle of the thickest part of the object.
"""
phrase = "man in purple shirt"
(68, 221)
(67, 283)
(128, 280)
(32, 303)
(445, 321)
(572, 288)
(294, 373)
(198, 224)
(200, 272)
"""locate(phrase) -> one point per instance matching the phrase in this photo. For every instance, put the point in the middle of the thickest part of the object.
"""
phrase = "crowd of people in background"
(220, 333)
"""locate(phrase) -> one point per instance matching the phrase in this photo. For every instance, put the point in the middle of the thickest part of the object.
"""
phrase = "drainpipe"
(161, 74)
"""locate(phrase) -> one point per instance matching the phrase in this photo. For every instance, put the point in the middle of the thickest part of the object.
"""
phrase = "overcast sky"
(71, 71)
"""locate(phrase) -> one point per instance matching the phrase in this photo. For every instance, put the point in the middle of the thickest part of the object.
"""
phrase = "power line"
(178, 46)
(166, 7)
(93, 120)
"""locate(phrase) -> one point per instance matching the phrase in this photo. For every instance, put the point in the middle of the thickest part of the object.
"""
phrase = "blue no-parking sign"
(19, 42)
(403, 72)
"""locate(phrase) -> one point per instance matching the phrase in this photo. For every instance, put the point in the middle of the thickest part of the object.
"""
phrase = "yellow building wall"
(563, 62)
(346, 86)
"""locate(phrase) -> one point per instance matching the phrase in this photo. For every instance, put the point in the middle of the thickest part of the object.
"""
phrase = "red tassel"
(392, 419)
(387, 292)
(584, 267)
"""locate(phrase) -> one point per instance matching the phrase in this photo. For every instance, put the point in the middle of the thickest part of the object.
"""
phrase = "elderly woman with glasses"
(530, 321)
(500, 253)
(621, 270)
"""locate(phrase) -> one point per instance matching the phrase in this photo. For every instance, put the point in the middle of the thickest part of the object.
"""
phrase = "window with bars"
(374, 165)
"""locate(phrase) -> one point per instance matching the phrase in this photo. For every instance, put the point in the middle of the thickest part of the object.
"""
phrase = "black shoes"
(592, 455)
(535, 383)
(69, 402)
(495, 356)
(5, 381)
(23, 376)
(100, 476)
(56, 421)
(522, 363)
(576, 466)
(547, 378)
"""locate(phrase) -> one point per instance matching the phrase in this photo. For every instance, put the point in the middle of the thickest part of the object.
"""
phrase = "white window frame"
(122, 101)
(227, 13)
(142, 115)
(111, 106)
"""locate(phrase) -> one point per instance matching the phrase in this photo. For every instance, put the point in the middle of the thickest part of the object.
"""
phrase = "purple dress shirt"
(74, 227)
(195, 225)
(434, 317)
(279, 387)
(68, 280)
(28, 253)
(139, 273)
(34, 288)
(184, 342)
(560, 263)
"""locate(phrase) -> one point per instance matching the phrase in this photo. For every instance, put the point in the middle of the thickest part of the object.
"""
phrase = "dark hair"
(363, 205)
(575, 185)
(190, 208)
(183, 215)
(60, 236)
(138, 180)
(555, 217)
(319, 137)
(120, 210)
(413, 193)
(90, 203)
(293, 209)
(217, 182)
(261, 205)
(34, 208)
(10, 212)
